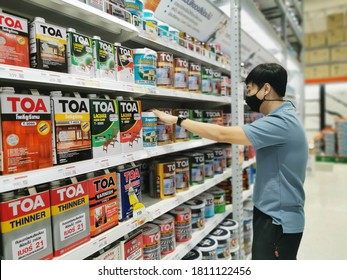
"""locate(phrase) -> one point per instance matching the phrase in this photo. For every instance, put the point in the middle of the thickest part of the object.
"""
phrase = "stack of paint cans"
(223, 238)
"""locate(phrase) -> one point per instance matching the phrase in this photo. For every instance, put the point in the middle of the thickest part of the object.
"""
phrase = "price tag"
(15, 74)
(152, 152)
(20, 182)
(169, 148)
(92, 83)
(129, 157)
(101, 243)
(156, 213)
(140, 214)
(152, 90)
(56, 79)
(103, 163)
(68, 171)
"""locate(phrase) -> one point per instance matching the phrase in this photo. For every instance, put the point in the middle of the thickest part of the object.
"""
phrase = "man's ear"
(267, 88)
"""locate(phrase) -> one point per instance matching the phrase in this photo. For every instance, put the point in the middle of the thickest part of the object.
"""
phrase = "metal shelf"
(154, 208)
(75, 14)
(158, 43)
(183, 248)
(31, 178)
(49, 79)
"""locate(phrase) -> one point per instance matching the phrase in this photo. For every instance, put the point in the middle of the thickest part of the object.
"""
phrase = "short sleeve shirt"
(281, 153)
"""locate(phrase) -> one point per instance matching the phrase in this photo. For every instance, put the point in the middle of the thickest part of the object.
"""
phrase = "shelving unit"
(86, 20)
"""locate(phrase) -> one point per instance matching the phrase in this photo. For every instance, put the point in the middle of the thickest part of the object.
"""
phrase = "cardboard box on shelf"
(339, 53)
(336, 36)
(336, 21)
(316, 72)
(338, 70)
(318, 39)
(317, 56)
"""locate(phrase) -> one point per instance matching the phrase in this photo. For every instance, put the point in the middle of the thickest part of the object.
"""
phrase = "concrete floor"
(325, 235)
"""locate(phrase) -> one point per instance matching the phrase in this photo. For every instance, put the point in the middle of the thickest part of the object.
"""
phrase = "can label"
(181, 73)
(48, 47)
(195, 115)
(208, 243)
(133, 246)
(125, 64)
(197, 169)
(182, 174)
(165, 73)
(103, 203)
(72, 136)
(104, 60)
(129, 191)
(145, 68)
(26, 139)
(167, 236)
(26, 232)
(181, 134)
(216, 83)
(212, 116)
(206, 80)
(105, 127)
(209, 164)
(166, 179)
(183, 226)
(194, 74)
(150, 137)
(165, 131)
(130, 125)
(80, 54)
(219, 161)
(117, 9)
(14, 40)
(70, 217)
(151, 242)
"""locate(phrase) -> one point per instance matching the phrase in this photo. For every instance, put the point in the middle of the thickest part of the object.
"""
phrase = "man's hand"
(166, 118)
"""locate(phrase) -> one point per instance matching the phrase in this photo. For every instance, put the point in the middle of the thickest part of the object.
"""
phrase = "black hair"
(271, 73)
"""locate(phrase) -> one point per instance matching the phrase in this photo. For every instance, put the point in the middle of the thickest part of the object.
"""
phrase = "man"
(281, 152)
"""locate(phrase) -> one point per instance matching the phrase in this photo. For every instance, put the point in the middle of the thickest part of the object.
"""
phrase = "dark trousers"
(269, 241)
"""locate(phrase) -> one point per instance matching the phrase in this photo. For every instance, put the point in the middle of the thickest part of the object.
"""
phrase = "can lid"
(96, 37)
(220, 233)
(56, 93)
(70, 29)
(193, 254)
(216, 190)
(117, 44)
(148, 115)
(7, 90)
(145, 51)
(182, 209)
(205, 195)
(229, 224)
(147, 13)
(150, 228)
(92, 95)
(195, 204)
(39, 19)
(164, 219)
(207, 244)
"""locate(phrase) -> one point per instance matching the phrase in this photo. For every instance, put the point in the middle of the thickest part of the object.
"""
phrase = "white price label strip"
(103, 163)
(101, 243)
(68, 171)
(12, 73)
(16, 183)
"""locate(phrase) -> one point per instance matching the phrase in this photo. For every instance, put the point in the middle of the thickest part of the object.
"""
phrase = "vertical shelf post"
(237, 116)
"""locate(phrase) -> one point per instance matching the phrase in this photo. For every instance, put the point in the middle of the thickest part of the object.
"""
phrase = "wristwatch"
(180, 119)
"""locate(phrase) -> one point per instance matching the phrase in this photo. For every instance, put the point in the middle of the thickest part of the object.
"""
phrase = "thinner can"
(219, 160)
(219, 199)
(206, 80)
(231, 226)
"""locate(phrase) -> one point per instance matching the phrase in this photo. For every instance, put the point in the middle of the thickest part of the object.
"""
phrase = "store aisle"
(326, 213)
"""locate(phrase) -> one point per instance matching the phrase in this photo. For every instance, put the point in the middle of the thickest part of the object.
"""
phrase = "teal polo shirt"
(281, 153)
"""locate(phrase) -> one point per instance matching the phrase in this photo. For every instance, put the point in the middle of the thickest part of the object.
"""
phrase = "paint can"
(145, 65)
(183, 223)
